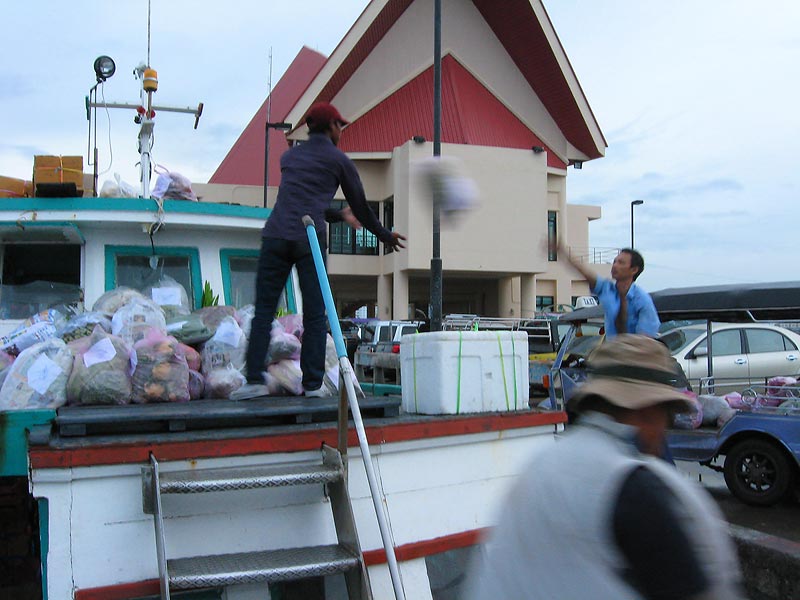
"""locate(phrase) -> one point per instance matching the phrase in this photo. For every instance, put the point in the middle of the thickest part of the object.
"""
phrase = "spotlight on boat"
(104, 67)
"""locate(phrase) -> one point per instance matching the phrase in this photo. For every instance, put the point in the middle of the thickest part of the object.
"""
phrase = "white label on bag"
(102, 351)
(166, 296)
(228, 333)
(42, 373)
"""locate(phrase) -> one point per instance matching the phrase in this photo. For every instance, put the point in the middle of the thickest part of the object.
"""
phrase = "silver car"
(744, 354)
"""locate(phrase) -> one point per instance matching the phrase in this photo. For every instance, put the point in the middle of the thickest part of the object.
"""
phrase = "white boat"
(439, 476)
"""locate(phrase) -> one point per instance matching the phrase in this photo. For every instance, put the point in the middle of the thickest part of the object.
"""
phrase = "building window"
(552, 235)
(544, 303)
(131, 266)
(342, 239)
(388, 222)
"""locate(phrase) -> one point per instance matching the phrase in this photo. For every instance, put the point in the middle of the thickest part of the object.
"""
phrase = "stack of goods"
(142, 347)
(50, 172)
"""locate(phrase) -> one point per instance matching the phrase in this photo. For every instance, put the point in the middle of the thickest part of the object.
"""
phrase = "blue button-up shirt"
(642, 315)
(311, 173)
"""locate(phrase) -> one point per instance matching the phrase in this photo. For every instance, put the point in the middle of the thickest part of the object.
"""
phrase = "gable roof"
(528, 37)
(471, 115)
(244, 163)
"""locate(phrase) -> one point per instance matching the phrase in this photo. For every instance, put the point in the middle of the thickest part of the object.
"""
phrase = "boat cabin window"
(36, 276)
(239, 269)
(137, 268)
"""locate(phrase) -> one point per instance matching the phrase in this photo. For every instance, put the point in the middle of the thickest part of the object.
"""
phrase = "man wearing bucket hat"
(311, 173)
(595, 516)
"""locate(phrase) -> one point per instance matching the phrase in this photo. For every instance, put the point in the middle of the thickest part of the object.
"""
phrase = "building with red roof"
(514, 117)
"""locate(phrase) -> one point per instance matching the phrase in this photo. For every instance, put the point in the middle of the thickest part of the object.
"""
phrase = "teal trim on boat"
(135, 204)
(225, 256)
(192, 253)
(14, 428)
(45, 224)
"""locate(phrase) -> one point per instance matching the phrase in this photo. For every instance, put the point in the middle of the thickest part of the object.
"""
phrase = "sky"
(697, 102)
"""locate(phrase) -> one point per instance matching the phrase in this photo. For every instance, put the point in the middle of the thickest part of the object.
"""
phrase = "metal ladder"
(286, 564)
(267, 566)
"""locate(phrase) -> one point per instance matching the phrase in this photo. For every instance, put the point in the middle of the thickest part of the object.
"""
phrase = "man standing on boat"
(311, 173)
(596, 515)
(627, 307)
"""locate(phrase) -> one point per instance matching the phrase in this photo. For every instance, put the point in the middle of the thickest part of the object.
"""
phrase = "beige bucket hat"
(633, 372)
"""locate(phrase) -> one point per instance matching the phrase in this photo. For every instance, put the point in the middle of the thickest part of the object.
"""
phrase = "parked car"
(743, 353)
(351, 332)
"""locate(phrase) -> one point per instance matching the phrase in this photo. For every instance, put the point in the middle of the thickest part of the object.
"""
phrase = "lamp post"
(634, 203)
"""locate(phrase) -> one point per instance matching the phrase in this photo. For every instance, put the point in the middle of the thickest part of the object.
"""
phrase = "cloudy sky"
(697, 100)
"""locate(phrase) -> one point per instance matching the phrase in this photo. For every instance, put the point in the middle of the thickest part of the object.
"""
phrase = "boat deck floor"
(84, 421)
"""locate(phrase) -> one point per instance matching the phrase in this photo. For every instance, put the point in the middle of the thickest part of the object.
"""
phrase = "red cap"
(324, 112)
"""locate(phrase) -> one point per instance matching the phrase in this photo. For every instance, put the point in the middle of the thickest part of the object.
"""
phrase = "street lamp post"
(634, 203)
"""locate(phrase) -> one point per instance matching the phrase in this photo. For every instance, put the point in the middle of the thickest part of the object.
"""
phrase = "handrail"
(346, 375)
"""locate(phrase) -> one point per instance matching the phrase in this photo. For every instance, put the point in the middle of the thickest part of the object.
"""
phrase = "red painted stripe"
(127, 591)
(292, 441)
(122, 591)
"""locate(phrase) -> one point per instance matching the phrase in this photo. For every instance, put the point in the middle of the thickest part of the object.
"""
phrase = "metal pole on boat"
(436, 259)
(346, 376)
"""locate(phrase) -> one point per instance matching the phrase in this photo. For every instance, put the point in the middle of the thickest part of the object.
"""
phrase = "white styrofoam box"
(455, 372)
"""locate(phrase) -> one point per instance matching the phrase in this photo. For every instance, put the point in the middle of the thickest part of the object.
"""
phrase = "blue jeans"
(274, 266)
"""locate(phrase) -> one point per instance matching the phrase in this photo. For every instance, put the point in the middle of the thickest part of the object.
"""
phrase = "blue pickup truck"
(760, 444)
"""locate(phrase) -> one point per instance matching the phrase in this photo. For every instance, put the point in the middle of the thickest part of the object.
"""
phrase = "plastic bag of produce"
(36, 328)
(132, 321)
(282, 344)
(112, 300)
(169, 295)
(197, 385)
(245, 317)
(6, 360)
(228, 346)
(781, 387)
(222, 382)
(292, 324)
(713, 407)
(192, 356)
(161, 373)
(288, 375)
(83, 325)
(38, 377)
(188, 329)
(735, 401)
(691, 419)
(101, 374)
(173, 186)
(212, 316)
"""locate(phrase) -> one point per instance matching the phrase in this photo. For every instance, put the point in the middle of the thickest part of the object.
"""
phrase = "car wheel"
(757, 472)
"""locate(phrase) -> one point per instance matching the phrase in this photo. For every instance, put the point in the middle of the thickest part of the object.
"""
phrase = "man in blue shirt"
(627, 307)
(311, 173)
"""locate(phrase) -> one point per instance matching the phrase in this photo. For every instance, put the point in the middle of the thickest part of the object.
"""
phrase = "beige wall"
(494, 257)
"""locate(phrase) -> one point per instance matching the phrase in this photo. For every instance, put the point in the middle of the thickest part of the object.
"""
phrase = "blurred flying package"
(446, 177)
(58, 169)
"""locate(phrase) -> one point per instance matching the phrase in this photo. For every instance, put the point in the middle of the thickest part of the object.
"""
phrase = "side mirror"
(700, 351)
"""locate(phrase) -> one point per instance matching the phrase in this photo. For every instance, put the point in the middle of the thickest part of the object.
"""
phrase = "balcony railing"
(595, 255)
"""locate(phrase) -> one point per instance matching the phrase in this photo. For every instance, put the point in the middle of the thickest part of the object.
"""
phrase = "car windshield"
(679, 338)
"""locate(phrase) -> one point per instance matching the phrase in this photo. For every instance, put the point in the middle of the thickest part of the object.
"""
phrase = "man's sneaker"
(319, 393)
(250, 390)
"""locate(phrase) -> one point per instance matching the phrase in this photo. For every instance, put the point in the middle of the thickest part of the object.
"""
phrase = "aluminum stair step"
(244, 478)
(265, 566)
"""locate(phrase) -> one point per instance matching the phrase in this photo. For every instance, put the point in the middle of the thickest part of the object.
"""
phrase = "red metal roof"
(517, 27)
(471, 115)
(244, 163)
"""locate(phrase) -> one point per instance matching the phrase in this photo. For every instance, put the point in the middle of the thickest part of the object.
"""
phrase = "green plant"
(208, 298)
